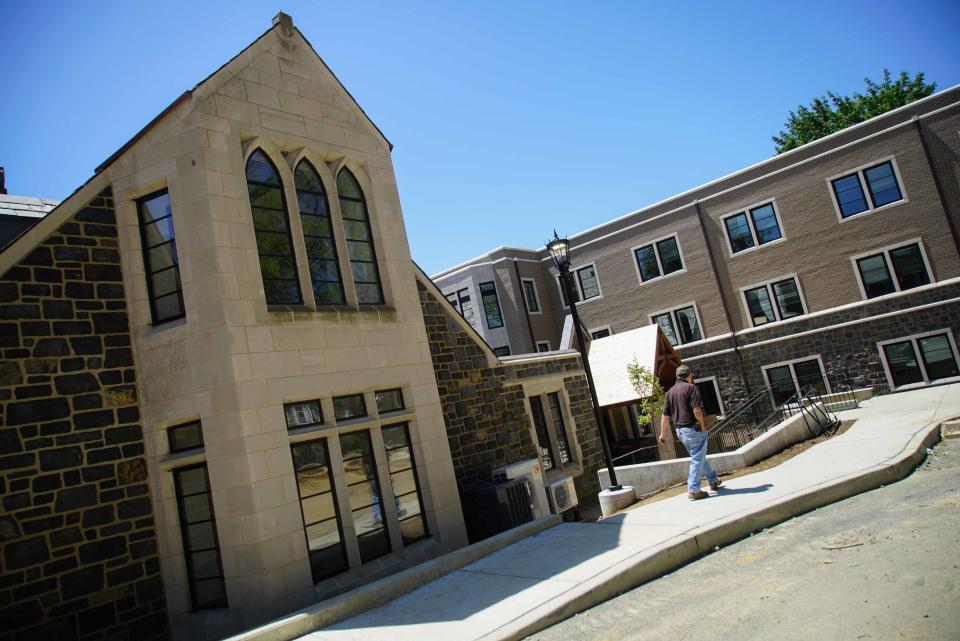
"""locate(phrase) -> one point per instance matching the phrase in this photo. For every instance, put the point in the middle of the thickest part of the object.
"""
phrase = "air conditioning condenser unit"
(562, 495)
(531, 472)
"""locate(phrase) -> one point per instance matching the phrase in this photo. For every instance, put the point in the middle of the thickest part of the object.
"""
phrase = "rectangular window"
(390, 400)
(866, 189)
(559, 428)
(405, 483)
(318, 504)
(893, 269)
(460, 299)
(348, 407)
(774, 301)
(753, 227)
(543, 346)
(543, 437)
(681, 324)
(659, 258)
(710, 396)
(923, 358)
(201, 545)
(160, 263)
(304, 414)
(491, 305)
(584, 284)
(786, 380)
(366, 501)
(502, 351)
(185, 437)
(600, 333)
(530, 296)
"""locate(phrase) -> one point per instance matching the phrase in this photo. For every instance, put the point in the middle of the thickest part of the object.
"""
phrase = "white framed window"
(710, 395)
(503, 350)
(530, 296)
(920, 359)
(892, 269)
(586, 284)
(790, 378)
(752, 227)
(543, 346)
(868, 188)
(600, 332)
(658, 259)
(774, 300)
(681, 324)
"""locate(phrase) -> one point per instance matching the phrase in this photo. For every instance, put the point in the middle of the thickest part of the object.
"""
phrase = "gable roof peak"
(285, 22)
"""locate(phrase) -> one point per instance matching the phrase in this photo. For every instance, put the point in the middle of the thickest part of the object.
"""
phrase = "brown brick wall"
(77, 534)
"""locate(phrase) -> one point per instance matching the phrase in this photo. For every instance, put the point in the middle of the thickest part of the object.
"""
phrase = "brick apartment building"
(226, 391)
(834, 263)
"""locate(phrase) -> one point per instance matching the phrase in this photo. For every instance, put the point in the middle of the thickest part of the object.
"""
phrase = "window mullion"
(862, 177)
(751, 226)
(917, 354)
(774, 303)
(892, 270)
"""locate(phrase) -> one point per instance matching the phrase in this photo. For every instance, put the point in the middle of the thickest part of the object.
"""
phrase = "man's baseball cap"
(683, 371)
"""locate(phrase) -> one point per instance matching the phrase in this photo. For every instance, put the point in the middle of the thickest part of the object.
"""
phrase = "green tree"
(832, 112)
(647, 386)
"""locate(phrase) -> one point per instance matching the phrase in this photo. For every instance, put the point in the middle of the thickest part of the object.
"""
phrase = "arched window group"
(275, 243)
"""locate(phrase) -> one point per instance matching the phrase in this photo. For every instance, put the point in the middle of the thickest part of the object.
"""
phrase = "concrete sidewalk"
(566, 569)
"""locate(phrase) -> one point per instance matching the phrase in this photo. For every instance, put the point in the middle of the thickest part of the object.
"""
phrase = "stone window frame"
(574, 273)
(541, 387)
(768, 283)
(536, 296)
(951, 340)
(885, 251)
(373, 423)
(793, 374)
(676, 325)
(148, 272)
(748, 210)
(859, 172)
(285, 166)
(656, 252)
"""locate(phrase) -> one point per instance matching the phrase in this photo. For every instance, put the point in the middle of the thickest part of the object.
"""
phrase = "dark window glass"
(347, 407)
(938, 357)
(502, 351)
(738, 230)
(765, 223)
(600, 333)
(461, 301)
(788, 298)
(201, 547)
(882, 183)
(559, 429)
(359, 236)
(543, 347)
(272, 229)
(543, 438)
(366, 502)
(781, 384)
(405, 483)
(665, 321)
(669, 252)
(909, 267)
(809, 373)
(587, 276)
(647, 262)
(758, 302)
(903, 363)
(185, 437)
(491, 306)
(530, 295)
(389, 400)
(160, 263)
(689, 327)
(849, 195)
(875, 276)
(710, 398)
(318, 236)
(303, 414)
(318, 503)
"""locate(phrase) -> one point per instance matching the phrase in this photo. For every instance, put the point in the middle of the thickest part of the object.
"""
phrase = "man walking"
(684, 406)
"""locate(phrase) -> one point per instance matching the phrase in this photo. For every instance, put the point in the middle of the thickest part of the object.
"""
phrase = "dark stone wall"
(483, 407)
(78, 542)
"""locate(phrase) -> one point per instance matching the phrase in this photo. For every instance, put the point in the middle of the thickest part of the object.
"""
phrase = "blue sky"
(509, 119)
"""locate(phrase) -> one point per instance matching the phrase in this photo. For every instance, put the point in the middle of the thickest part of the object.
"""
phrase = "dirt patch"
(765, 464)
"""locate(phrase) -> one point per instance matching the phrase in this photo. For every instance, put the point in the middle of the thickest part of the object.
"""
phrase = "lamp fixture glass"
(559, 249)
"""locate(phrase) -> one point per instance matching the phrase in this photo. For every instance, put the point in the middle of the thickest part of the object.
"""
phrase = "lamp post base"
(614, 500)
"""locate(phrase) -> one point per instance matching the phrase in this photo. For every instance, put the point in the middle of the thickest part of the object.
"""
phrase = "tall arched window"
(356, 229)
(318, 236)
(272, 227)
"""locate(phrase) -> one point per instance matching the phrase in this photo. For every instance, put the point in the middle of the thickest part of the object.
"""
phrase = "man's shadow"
(723, 490)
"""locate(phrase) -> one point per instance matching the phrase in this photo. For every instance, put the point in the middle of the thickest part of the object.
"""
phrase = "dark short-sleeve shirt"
(681, 399)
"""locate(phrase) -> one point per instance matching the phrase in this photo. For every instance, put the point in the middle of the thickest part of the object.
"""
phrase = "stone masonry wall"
(78, 544)
(483, 407)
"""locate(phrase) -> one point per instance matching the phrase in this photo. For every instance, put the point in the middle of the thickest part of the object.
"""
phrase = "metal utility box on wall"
(531, 471)
(495, 507)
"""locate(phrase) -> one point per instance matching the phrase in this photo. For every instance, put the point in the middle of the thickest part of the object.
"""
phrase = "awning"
(609, 357)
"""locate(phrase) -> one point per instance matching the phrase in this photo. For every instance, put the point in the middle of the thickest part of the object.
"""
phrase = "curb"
(371, 595)
(668, 556)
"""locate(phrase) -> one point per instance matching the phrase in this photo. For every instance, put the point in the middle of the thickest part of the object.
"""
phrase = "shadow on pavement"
(723, 490)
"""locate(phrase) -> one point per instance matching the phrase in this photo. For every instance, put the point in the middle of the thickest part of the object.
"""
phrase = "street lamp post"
(560, 253)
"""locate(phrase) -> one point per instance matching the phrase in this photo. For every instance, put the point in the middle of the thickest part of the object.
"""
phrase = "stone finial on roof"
(3, 181)
(284, 21)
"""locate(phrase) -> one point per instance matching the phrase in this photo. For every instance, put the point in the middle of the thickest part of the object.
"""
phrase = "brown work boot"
(696, 496)
(716, 486)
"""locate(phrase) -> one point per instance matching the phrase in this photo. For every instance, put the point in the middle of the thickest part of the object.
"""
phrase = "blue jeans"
(696, 443)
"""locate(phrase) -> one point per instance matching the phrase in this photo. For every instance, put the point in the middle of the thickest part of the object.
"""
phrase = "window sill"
(867, 212)
(179, 459)
(661, 278)
(750, 250)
